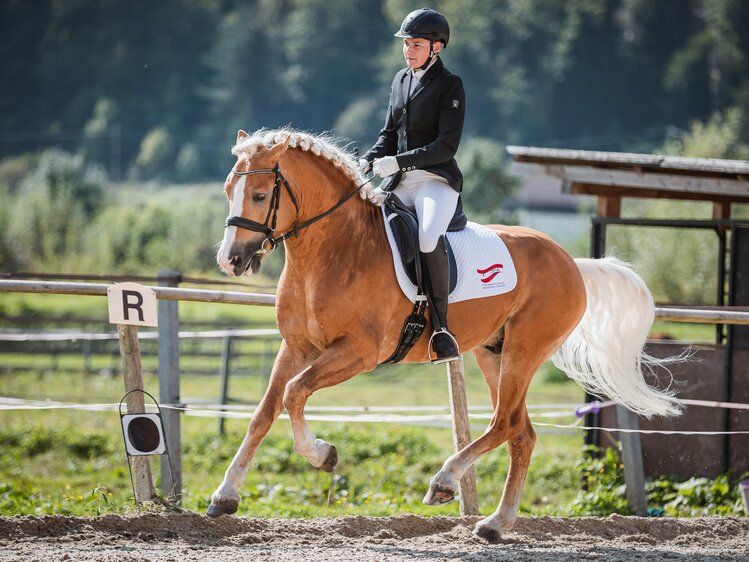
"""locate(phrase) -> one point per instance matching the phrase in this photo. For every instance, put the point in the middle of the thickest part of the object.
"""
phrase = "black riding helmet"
(425, 23)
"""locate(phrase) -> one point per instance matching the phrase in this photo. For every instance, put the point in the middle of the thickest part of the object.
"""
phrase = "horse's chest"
(318, 319)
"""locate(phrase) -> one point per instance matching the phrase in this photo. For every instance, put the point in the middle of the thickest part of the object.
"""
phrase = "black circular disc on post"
(144, 435)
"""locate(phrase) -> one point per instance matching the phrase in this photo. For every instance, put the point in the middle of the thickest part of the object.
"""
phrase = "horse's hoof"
(487, 533)
(330, 461)
(438, 494)
(222, 507)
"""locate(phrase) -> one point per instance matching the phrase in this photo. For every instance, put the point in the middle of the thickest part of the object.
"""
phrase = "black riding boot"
(437, 286)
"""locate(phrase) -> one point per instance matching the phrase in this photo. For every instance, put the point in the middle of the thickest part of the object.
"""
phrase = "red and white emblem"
(490, 272)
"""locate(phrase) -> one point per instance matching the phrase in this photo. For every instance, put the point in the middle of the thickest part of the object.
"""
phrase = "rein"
(275, 202)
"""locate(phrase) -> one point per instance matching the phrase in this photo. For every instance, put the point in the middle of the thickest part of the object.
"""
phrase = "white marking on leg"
(230, 232)
(235, 474)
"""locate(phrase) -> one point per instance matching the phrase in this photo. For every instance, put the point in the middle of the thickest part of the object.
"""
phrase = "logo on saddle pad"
(490, 272)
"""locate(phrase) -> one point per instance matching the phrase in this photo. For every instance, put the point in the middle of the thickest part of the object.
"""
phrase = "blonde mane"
(323, 145)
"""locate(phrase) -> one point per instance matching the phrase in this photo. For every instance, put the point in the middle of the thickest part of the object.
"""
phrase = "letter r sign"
(132, 303)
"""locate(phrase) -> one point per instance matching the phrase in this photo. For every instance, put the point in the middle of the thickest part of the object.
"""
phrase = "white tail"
(604, 354)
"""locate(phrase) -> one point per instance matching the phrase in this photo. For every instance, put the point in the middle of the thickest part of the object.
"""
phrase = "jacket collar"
(431, 73)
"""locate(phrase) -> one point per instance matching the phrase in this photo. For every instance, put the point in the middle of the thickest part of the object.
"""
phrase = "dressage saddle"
(404, 225)
(405, 228)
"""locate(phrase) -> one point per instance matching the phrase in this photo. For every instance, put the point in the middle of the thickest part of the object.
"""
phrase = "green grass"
(73, 462)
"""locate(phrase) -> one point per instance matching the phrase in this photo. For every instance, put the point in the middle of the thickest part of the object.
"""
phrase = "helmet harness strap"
(429, 58)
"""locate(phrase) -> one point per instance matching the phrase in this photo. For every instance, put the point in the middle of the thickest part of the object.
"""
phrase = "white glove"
(364, 166)
(378, 196)
(385, 167)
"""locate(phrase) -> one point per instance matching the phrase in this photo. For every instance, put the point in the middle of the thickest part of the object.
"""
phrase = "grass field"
(72, 462)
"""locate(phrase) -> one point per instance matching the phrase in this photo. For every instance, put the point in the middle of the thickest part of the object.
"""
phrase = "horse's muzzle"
(243, 259)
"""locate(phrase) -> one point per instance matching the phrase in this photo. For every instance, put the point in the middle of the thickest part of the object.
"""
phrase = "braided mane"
(323, 145)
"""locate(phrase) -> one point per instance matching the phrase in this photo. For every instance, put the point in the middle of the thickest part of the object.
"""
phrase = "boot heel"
(445, 347)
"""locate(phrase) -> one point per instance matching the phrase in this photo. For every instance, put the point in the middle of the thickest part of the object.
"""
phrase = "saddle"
(404, 225)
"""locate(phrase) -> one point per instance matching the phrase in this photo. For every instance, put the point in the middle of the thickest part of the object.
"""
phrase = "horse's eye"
(259, 196)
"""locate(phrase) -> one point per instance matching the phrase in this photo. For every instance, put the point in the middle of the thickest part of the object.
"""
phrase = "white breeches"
(434, 202)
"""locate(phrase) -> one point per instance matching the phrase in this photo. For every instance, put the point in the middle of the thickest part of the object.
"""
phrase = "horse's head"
(260, 201)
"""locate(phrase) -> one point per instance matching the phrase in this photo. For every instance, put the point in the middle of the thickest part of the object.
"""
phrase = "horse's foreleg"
(225, 499)
(336, 364)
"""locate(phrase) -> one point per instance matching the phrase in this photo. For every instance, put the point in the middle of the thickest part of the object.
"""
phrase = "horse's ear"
(277, 150)
(241, 135)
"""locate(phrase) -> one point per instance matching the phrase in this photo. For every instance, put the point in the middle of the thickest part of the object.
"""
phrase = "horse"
(340, 310)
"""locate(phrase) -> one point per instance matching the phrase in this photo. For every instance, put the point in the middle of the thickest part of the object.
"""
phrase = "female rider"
(415, 154)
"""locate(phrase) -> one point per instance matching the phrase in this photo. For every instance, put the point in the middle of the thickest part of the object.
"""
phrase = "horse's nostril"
(235, 260)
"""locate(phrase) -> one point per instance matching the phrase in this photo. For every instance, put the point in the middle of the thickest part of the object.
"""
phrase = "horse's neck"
(343, 236)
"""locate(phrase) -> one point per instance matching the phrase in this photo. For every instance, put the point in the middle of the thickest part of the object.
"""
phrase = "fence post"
(634, 473)
(469, 504)
(224, 373)
(133, 378)
(169, 384)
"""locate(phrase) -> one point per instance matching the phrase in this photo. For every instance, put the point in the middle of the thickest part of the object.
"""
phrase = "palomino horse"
(340, 311)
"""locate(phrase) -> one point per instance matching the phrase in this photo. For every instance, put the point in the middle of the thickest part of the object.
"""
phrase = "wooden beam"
(469, 503)
(665, 184)
(721, 210)
(609, 206)
(634, 472)
(133, 378)
(579, 188)
(167, 293)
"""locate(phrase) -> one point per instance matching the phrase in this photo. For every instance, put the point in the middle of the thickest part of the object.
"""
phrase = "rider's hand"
(385, 167)
(364, 166)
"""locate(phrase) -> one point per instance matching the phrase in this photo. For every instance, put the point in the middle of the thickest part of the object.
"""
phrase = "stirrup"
(439, 361)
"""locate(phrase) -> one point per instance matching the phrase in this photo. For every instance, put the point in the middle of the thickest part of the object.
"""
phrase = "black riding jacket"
(423, 132)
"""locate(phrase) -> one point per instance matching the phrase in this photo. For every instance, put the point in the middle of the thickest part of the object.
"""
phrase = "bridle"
(272, 216)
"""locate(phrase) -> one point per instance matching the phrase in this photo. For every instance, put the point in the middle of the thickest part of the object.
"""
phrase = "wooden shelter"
(719, 371)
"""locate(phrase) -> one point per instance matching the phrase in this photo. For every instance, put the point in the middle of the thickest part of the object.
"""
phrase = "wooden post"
(133, 377)
(169, 392)
(634, 473)
(469, 504)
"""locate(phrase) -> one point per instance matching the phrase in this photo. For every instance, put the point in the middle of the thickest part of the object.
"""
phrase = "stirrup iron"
(438, 361)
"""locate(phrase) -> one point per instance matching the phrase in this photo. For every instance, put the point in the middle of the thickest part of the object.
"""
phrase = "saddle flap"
(404, 225)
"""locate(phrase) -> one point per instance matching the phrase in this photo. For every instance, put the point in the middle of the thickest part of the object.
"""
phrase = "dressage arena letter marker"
(133, 304)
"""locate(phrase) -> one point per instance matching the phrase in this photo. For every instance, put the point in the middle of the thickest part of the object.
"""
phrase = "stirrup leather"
(439, 361)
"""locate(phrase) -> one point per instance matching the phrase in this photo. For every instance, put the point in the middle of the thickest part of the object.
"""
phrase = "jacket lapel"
(429, 75)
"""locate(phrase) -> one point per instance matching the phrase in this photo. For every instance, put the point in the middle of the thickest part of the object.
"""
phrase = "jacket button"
(404, 110)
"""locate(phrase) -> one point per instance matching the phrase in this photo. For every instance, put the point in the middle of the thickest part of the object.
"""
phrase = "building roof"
(655, 161)
(617, 174)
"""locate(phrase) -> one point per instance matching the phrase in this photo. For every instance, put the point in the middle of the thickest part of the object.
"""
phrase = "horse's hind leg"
(520, 447)
(503, 519)
(529, 341)
(508, 376)
(225, 499)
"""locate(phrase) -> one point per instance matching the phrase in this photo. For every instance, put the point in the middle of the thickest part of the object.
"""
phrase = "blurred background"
(107, 106)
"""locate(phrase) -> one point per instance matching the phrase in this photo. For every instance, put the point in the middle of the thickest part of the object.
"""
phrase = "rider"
(415, 154)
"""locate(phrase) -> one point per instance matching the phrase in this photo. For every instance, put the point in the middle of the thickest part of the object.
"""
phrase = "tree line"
(157, 90)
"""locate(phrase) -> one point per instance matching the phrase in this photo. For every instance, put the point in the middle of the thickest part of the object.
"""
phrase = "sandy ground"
(177, 537)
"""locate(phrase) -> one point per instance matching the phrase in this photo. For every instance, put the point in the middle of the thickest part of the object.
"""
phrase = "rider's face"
(416, 51)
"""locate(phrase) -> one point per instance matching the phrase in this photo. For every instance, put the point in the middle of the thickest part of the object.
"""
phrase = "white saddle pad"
(485, 267)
